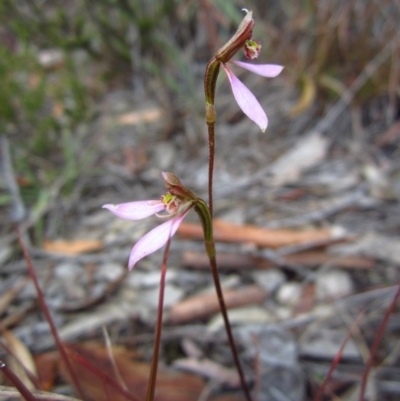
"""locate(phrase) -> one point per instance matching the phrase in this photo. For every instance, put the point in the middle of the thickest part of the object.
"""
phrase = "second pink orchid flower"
(175, 206)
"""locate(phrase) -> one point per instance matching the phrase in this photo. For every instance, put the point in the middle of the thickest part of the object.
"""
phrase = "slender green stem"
(154, 363)
(211, 152)
(210, 81)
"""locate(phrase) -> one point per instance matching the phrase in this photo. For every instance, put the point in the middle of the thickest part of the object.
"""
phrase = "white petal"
(136, 210)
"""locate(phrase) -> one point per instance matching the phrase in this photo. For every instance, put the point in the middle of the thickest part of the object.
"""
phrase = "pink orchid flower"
(175, 206)
(244, 97)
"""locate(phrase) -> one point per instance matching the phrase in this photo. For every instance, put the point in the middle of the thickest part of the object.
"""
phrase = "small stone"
(164, 153)
(289, 293)
(5, 253)
(241, 316)
(68, 271)
(148, 279)
(325, 342)
(172, 295)
(110, 272)
(333, 284)
(270, 279)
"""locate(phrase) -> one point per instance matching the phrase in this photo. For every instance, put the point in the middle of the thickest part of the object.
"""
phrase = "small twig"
(375, 344)
(337, 357)
(112, 359)
(17, 383)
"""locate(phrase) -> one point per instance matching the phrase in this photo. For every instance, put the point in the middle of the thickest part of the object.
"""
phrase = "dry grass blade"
(14, 395)
(23, 365)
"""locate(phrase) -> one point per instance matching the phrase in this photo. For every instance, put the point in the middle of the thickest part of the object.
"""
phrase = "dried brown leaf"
(141, 116)
(91, 363)
(47, 368)
(262, 237)
(204, 305)
(74, 247)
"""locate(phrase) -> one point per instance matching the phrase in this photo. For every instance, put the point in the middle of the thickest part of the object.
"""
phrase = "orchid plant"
(250, 106)
(178, 201)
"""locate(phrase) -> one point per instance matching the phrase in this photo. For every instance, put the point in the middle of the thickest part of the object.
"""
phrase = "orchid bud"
(243, 33)
(176, 188)
(171, 180)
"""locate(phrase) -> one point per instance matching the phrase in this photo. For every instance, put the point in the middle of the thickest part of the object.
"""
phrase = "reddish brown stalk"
(47, 315)
(375, 344)
(16, 382)
(338, 357)
(231, 340)
(156, 352)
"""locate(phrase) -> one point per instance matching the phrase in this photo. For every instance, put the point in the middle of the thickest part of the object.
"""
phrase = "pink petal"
(265, 70)
(154, 239)
(247, 101)
(136, 210)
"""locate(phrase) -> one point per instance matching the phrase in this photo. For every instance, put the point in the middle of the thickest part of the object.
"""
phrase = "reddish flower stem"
(154, 363)
(220, 295)
(375, 344)
(48, 317)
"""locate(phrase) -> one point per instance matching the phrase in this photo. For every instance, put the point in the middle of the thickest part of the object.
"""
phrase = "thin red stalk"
(156, 352)
(338, 357)
(16, 382)
(375, 344)
(231, 340)
(47, 315)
